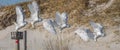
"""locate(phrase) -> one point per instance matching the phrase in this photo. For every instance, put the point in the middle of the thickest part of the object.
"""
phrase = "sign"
(16, 35)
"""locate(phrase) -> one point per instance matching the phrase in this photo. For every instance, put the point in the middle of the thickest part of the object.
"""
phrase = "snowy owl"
(34, 9)
(20, 21)
(82, 32)
(62, 20)
(47, 24)
(98, 30)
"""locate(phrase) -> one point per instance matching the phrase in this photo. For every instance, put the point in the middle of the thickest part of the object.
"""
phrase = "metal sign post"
(18, 44)
(25, 40)
(18, 36)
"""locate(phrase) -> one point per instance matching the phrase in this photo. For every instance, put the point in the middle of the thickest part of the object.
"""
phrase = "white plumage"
(62, 20)
(98, 30)
(34, 9)
(82, 32)
(20, 21)
(47, 24)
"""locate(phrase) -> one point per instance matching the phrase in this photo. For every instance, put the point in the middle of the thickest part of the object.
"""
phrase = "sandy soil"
(36, 37)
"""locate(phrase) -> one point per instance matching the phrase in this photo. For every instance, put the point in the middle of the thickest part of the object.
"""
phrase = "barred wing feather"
(20, 16)
(49, 26)
(35, 6)
(31, 8)
(96, 25)
(64, 18)
(58, 18)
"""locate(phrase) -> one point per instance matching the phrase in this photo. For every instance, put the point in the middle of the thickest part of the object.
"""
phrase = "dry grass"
(55, 43)
(117, 33)
(74, 8)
